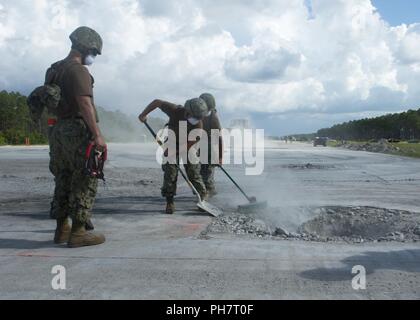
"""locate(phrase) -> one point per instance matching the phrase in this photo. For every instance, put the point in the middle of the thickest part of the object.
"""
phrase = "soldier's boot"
(79, 237)
(170, 205)
(89, 225)
(62, 232)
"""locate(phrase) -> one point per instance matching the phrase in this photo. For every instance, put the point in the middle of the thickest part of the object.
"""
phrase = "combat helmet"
(197, 108)
(210, 101)
(86, 39)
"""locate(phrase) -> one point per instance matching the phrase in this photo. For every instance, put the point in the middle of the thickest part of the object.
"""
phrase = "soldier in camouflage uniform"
(76, 127)
(211, 122)
(192, 113)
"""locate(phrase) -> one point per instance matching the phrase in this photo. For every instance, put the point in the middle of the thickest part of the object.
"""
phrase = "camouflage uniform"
(176, 115)
(74, 193)
(171, 177)
(207, 173)
(69, 138)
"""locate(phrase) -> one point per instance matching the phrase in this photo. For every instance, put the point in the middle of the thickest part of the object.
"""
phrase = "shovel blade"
(209, 208)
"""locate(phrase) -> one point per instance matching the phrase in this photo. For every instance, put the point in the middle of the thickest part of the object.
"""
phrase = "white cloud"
(269, 56)
(409, 44)
(261, 64)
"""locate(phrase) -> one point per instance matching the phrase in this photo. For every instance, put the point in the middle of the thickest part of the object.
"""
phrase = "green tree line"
(16, 124)
(404, 126)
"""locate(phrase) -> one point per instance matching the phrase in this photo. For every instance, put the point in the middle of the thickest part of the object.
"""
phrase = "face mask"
(89, 60)
(193, 121)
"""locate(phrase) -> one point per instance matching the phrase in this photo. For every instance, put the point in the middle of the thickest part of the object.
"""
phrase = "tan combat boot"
(170, 205)
(79, 237)
(62, 232)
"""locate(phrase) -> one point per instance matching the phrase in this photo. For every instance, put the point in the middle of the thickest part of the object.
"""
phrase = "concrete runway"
(149, 255)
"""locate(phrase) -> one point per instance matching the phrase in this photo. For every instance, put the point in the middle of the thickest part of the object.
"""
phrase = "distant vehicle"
(320, 141)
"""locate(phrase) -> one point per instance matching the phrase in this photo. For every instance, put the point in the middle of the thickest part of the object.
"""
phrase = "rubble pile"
(239, 224)
(330, 224)
(363, 224)
(382, 146)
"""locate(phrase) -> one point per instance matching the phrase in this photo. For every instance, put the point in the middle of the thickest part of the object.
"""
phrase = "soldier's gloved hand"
(100, 142)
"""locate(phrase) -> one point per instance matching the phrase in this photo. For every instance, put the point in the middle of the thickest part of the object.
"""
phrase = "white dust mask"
(193, 121)
(89, 59)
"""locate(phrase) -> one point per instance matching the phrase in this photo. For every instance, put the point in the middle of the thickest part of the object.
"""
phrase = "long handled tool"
(253, 204)
(202, 204)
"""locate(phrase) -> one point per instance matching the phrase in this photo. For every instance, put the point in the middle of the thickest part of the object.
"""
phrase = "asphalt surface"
(149, 255)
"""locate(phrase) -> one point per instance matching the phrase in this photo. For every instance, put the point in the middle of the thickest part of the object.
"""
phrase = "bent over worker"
(192, 113)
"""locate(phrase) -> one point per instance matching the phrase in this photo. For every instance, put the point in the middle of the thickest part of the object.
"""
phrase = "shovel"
(253, 204)
(202, 204)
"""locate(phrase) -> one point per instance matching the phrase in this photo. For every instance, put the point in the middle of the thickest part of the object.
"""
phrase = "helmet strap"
(83, 51)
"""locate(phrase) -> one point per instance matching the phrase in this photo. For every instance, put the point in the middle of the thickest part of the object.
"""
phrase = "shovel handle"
(234, 182)
(152, 132)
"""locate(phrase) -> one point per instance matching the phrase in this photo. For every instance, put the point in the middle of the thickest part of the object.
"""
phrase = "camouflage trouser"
(207, 172)
(74, 193)
(171, 177)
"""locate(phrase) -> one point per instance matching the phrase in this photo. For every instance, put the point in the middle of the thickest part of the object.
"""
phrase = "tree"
(399, 125)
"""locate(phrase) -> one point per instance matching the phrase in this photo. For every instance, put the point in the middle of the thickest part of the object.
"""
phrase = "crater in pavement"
(332, 223)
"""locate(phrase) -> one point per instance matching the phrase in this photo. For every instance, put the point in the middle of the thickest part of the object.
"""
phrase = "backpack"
(49, 95)
(46, 96)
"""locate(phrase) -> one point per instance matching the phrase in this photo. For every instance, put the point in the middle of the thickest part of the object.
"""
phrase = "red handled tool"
(95, 161)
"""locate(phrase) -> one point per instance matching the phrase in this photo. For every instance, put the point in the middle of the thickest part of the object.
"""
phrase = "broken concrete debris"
(330, 224)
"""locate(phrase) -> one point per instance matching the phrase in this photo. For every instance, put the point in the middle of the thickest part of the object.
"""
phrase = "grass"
(406, 149)
(332, 143)
(335, 143)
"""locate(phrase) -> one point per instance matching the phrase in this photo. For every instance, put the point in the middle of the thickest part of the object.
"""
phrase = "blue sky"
(396, 12)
